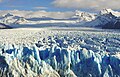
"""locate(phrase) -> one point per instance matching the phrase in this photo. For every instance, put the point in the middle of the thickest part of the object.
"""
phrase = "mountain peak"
(108, 11)
(83, 16)
(8, 15)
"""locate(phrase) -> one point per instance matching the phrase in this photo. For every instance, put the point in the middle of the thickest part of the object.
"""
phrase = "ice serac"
(61, 56)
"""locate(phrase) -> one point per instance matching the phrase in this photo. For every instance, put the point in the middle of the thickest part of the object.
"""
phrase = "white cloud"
(40, 7)
(93, 4)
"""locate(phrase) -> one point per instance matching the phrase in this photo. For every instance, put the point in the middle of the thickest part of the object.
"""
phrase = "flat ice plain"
(59, 52)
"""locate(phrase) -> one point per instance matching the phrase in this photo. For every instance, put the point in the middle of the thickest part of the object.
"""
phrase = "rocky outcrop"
(4, 26)
(112, 24)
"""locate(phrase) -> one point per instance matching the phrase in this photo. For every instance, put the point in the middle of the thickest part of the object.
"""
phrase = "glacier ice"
(61, 54)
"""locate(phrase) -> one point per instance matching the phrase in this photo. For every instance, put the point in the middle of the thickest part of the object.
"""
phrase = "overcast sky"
(59, 5)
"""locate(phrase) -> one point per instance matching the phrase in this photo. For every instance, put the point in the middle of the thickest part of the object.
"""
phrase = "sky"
(59, 5)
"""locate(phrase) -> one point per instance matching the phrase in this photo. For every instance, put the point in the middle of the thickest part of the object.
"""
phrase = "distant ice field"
(23, 34)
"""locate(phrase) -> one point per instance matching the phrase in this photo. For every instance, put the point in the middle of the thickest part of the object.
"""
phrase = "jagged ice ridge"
(60, 53)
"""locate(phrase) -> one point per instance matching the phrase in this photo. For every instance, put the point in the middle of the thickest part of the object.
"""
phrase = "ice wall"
(63, 56)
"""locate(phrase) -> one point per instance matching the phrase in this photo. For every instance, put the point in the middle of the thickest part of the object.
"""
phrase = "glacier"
(59, 52)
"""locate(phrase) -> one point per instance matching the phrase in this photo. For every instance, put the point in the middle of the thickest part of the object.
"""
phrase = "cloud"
(1, 0)
(92, 4)
(40, 7)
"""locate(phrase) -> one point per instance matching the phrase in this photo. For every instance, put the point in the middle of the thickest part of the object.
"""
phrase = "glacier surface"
(59, 52)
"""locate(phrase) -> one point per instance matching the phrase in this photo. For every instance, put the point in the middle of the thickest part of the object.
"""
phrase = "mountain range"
(106, 18)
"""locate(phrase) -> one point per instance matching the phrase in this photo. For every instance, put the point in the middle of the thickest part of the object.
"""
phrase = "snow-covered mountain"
(77, 18)
(104, 16)
(9, 18)
(112, 24)
(83, 16)
(21, 20)
(4, 26)
(107, 11)
(37, 14)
